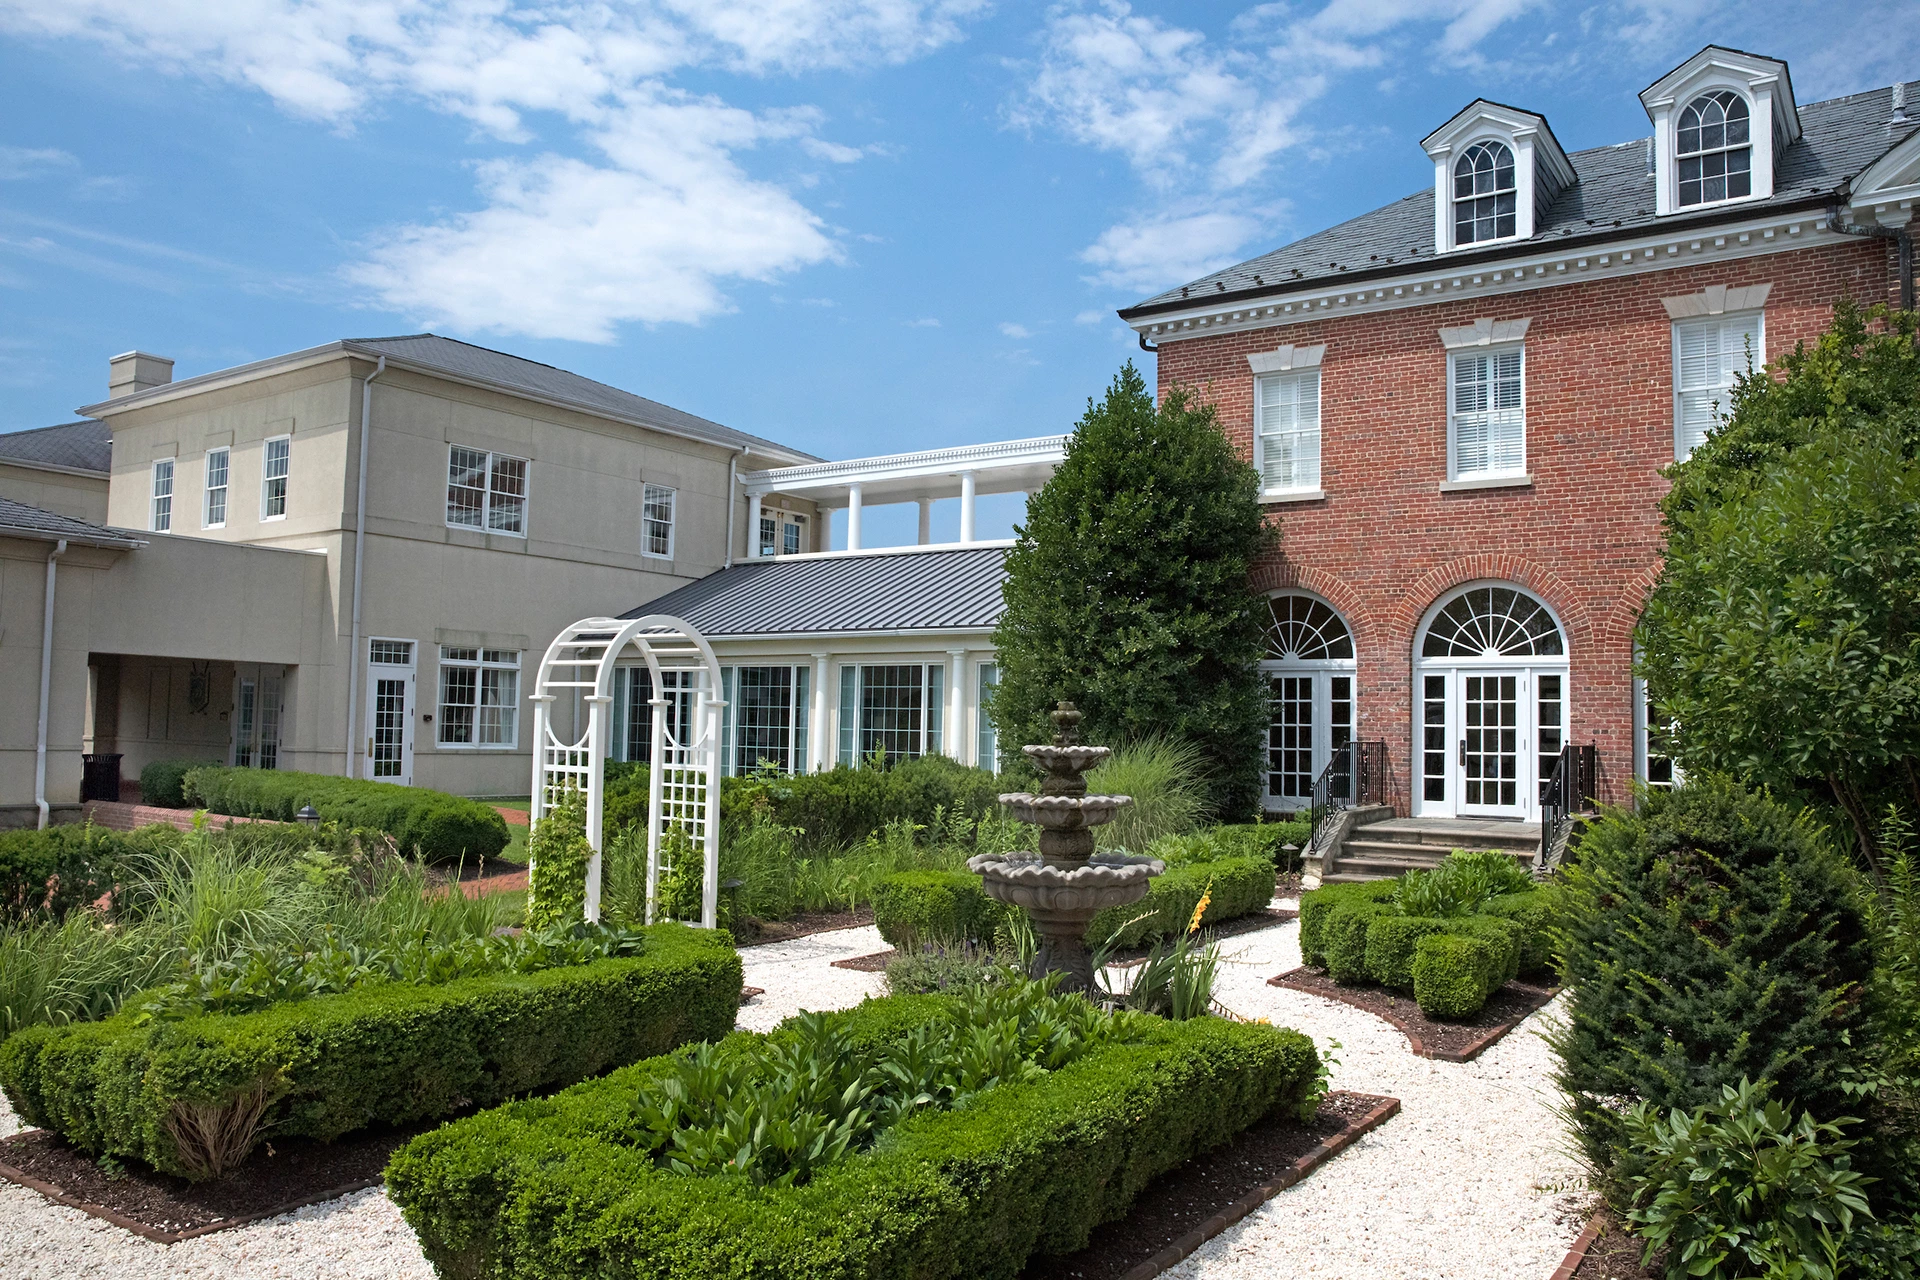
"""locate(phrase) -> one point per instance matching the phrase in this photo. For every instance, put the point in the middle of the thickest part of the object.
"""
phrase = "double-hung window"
(160, 508)
(479, 697)
(219, 461)
(656, 521)
(1286, 439)
(1709, 354)
(1487, 424)
(275, 463)
(766, 718)
(486, 491)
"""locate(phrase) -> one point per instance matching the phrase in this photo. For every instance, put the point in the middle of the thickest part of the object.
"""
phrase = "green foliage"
(1174, 981)
(163, 782)
(1453, 974)
(1709, 938)
(437, 826)
(1345, 933)
(1536, 914)
(559, 1186)
(46, 874)
(937, 969)
(385, 1053)
(1234, 887)
(1165, 777)
(558, 854)
(1462, 884)
(1317, 905)
(843, 806)
(1128, 591)
(1739, 1187)
(1391, 943)
(1784, 633)
(914, 909)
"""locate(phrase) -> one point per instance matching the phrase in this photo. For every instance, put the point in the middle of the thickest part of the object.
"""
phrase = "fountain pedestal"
(1065, 884)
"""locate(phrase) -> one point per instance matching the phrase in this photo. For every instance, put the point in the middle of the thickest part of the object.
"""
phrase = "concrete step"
(1381, 833)
(1427, 854)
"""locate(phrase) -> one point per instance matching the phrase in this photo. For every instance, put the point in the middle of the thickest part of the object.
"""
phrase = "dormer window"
(1484, 198)
(1714, 149)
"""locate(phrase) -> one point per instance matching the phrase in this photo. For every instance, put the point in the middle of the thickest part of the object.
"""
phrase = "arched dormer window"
(1485, 201)
(1714, 149)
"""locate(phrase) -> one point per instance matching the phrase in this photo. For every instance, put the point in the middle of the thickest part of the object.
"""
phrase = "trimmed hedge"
(1316, 906)
(162, 782)
(441, 827)
(912, 908)
(46, 874)
(1239, 887)
(547, 1187)
(1453, 974)
(389, 1054)
(1535, 914)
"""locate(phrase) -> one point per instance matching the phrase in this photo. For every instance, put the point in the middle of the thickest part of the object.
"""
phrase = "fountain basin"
(1063, 813)
(1065, 894)
(1072, 759)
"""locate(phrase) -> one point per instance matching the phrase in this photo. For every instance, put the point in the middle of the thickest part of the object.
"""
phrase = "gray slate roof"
(86, 445)
(463, 359)
(18, 520)
(1612, 199)
(957, 589)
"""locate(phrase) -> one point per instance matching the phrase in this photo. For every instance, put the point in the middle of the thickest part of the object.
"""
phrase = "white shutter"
(1709, 354)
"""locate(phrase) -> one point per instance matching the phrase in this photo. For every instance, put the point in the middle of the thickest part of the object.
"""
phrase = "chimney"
(1899, 103)
(137, 371)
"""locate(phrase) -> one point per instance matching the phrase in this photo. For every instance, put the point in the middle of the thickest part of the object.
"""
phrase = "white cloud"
(1092, 316)
(1011, 330)
(1154, 255)
(33, 162)
(926, 323)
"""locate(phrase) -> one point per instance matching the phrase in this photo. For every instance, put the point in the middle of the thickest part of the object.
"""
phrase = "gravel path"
(1470, 1180)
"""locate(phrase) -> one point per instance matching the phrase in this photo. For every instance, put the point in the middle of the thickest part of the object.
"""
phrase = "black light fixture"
(308, 816)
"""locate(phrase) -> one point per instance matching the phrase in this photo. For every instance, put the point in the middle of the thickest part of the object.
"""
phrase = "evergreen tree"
(1128, 592)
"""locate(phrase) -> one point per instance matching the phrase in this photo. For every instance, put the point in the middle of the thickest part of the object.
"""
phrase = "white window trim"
(673, 520)
(1759, 120)
(1296, 492)
(1522, 191)
(1491, 349)
(1673, 342)
(441, 661)
(265, 445)
(153, 496)
(208, 488)
(1758, 93)
(486, 493)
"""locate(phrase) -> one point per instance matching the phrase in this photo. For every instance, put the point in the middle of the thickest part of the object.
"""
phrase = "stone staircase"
(1389, 846)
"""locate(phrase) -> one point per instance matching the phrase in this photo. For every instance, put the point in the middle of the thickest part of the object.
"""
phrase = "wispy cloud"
(927, 322)
(23, 163)
(1011, 330)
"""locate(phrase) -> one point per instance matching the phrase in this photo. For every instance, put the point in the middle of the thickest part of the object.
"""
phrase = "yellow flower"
(1200, 907)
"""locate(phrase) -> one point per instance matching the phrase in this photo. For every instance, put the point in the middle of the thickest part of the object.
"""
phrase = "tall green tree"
(1128, 591)
(1783, 636)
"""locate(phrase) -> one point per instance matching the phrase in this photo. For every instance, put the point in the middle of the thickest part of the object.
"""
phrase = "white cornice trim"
(918, 549)
(1717, 299)
(1286, 357)
(1484, 333)
(977, 458)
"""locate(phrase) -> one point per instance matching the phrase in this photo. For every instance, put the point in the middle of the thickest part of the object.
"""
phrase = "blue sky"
(856, 226)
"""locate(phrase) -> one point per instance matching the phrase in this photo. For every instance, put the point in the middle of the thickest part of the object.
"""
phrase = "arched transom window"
(1493, 622)
(1714, 149)
(1302, 628)
(1483, 194)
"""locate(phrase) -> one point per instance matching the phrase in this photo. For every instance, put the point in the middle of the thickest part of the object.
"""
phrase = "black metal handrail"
(1356, 774)
(1569, 787)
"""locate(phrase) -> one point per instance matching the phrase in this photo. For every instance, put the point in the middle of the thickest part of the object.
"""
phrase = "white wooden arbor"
(683, 774)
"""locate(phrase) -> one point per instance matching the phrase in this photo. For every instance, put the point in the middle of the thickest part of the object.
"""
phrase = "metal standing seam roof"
(86, 445)
(17, 519)
(1612, 197)
(956, 589)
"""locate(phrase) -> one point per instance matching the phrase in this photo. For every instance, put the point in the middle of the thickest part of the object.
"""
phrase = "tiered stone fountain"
(1065, 884)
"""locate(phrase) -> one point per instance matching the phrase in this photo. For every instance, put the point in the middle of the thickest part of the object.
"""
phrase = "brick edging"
(1473, 1049)
(1384, 1109)
(1578, 1253)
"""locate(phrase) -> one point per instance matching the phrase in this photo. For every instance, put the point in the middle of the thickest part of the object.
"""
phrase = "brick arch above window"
(1271, 576)
(1617, 627)
(1576, 619)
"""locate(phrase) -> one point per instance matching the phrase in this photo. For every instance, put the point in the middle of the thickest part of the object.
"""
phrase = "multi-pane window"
(766, 718)
(256, 720)
(1433, 738)
(632, 737)
(486, 491)
(160, 509)
(782, 533)
(1488, 425)
(1483, 194)
(1287, 436)
(769, 532)
(275, 461)
(893, 710)
(986, 737)
(479, 697)
(793, 535)
(214, 515)
(1290, 737)
(1549, 724)
(1709, 355)
(1714, 149)
(656, 520)
(1657, 732)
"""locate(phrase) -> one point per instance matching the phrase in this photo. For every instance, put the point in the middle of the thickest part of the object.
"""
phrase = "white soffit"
(1717, 299)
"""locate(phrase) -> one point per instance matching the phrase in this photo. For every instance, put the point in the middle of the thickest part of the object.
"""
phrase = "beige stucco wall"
(81, 497)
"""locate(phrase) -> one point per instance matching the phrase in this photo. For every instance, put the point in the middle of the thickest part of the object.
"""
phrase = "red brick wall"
(1385, 543)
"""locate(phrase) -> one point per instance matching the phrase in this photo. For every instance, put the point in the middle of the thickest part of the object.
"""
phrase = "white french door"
(1493, 743)
(258, 707)
(1489, 738)
(390, 711)
(1310, 716)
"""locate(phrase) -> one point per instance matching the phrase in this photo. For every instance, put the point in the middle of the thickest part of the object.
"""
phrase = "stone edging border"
(1578, 1253)
(1474, 1047)
(1384, 1109)
(58, 1196)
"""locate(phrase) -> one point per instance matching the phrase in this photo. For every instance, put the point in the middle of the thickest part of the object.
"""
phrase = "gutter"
(46, 689)
(1899, 235)
(46, 535)
(359, 557)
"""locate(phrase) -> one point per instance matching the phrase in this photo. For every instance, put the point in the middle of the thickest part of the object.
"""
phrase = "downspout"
(733, 485)
(1899, 235)
(46, 691)
(1144, 345)
(359, 556)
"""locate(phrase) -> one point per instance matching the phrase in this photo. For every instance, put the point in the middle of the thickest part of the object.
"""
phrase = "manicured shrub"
(1454, 973)
(1318, 904)
(913, 909)
(1535, 913)
(552, 1187)
(1391, 942)
(948, 969)
(1236, 887)
(1710, 937)
(440, 826)
(387, 1054)
(161, 782)
(1241, 840)
(46, 874)
(1346, 939)
(1503, 936)
(843, 806)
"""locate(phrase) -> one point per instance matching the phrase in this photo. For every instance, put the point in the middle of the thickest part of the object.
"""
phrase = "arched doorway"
(1310, 671)
(1490, 708)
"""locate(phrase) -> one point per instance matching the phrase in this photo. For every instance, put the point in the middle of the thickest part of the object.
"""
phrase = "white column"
(957, 666)
(817, 727)
(753, 526)
(966, 506)
(598, 706)
(926, 521)
(853, 517)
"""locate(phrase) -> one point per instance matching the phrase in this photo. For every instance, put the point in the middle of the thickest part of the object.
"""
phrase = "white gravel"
(1471, 1179)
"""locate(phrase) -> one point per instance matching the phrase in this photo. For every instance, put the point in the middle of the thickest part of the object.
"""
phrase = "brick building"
(1461, 404)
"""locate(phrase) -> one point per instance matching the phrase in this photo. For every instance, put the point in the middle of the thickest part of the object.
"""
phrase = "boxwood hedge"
(440, 826)
(46, 874)
(547, 1188)
(390, 1054)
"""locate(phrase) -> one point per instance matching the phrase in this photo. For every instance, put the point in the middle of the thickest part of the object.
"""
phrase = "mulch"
(1605, 1252)
(1185, 1208)
(278, 1178)
(1460, 1041)
(799, 926)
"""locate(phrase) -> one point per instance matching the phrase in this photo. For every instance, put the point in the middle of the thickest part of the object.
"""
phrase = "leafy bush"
(1235, 887)
(952, 969)
(564, 1185)
(1166, 779)
(1391, 943)
(557, 857)
(1462, 884)
(1454, 973)
(191, 1096)
(1346, 931)
(1318, 905)
(46, 874)
(162, 782)
(920, 908)
(1739, 1187)
(1243, 840)
(843, 806)
(441, 827)
(1175, 980)
(1709, 938)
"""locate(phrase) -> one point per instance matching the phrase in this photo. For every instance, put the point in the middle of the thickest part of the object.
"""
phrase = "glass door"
(390, 711)
(1493, 743)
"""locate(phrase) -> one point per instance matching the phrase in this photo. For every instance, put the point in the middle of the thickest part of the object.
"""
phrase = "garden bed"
(799, 926)
(1460, 1041)
(1605, 1252)
(1189, 1206)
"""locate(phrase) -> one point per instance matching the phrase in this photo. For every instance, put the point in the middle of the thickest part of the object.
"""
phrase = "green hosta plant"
(1741, 1188)
(1462, 884)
